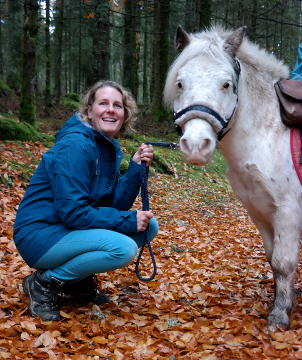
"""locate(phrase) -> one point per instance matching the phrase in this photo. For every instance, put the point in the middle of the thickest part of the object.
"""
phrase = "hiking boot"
(85, 291)
(43, 296)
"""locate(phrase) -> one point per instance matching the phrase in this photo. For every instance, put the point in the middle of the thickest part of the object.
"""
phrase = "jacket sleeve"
(70, 182)
(126, 188)
(297, 72)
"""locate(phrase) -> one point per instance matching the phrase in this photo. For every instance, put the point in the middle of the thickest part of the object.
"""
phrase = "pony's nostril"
(184, 145)
(205, 144)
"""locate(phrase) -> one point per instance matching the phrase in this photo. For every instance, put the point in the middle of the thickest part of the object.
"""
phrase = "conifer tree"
(101, 54)
(48, 61)
(27, 110)
(162, 59)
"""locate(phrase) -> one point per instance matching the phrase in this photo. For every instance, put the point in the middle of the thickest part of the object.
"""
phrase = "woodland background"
(210, 298)
(52, 47)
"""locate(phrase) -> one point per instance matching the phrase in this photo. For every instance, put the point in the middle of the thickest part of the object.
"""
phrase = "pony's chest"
(263, 188)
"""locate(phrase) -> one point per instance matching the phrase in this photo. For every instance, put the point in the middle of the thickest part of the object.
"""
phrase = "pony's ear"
(182, 39)
(234, 40)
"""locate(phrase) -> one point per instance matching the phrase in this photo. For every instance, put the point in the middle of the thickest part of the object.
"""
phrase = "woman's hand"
(145, 153)
(143, 219)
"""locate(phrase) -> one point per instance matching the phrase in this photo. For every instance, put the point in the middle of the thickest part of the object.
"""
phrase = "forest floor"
(209, 299)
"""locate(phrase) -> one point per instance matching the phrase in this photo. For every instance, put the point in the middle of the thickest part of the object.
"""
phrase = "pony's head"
(203, 77)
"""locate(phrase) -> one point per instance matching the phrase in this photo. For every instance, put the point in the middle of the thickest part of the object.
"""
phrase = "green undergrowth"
(166, 161)
(3, 86)
(171, 162)
(11, 129)
(72, 101)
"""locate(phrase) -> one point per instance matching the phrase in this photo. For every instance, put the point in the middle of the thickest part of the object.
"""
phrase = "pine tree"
(27, 110)
(162, 59)
(129, 50)
(15, 43)
(48, 61)
(101, 54)
(1, 57)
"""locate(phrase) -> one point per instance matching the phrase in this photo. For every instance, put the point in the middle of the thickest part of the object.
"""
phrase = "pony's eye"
(226, 85)
(179, 85)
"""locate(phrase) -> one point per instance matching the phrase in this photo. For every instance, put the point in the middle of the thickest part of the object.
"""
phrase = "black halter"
(209, 111)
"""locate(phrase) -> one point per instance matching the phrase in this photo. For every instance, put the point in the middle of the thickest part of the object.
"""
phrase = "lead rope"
(145, 202)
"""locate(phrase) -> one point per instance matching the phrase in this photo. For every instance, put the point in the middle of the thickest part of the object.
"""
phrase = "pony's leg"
(282, 252)
(267, 234)
(284, 263)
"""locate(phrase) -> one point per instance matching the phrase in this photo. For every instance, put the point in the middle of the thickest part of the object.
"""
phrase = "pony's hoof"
(274, 322)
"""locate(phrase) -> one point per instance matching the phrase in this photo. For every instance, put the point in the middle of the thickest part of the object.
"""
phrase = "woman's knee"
(125, 253)
(153, 228)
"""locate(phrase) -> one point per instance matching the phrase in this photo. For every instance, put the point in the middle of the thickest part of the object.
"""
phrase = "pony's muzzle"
(197, 147)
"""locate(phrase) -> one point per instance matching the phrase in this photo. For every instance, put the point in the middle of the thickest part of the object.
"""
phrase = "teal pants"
(86, 252)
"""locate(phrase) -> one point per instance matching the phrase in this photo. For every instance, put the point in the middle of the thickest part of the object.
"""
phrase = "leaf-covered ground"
(208, 301)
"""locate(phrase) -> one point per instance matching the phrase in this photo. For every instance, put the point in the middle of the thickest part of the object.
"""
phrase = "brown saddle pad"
(289, 93)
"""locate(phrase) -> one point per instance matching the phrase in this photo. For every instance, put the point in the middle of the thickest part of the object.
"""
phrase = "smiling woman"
(107, 113)
(74, 220)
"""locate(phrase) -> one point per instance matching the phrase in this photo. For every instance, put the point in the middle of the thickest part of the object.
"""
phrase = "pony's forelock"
(211, 42)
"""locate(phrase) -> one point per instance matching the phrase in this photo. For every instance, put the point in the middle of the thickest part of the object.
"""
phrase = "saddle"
(289, 93)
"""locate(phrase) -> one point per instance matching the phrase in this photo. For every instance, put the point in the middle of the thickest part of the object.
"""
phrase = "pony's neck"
(256, 120)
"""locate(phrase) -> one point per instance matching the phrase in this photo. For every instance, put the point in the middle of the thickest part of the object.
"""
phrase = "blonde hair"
(129, 103)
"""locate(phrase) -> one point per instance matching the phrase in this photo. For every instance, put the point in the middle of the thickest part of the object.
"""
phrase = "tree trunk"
(128, 63)
(226, 14)
(69, 61)
(253, 30)
(1, 56)
(162, 59)
(189, 24)
(145, 77)
(59, 61)
(137, 48)
(48, 62)
(15, 44)
(27, 110)
(101, 53)
(80, 47)
(286, 34)
(66, 61)
(205, 14)
(152, 47)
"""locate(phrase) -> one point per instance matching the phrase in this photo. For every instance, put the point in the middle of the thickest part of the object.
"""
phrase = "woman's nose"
(110, 108)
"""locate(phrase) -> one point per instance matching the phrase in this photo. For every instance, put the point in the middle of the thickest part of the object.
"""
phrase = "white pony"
(205, 77)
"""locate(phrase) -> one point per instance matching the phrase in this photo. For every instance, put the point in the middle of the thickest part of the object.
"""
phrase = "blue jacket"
(76, 186)
(297, 72)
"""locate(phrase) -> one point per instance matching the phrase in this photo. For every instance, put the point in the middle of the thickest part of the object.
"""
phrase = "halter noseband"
(210, 114)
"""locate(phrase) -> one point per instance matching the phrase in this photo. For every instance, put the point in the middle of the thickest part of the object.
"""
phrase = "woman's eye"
(118, 105)
(179, 85)
(226, 85)
(103, 103)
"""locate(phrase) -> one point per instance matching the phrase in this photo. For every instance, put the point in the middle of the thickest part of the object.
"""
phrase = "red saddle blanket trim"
(295, 147)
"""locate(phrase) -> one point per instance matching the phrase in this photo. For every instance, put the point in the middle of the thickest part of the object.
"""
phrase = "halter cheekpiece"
(206, 112)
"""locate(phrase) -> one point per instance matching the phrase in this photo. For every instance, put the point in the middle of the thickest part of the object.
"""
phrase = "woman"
(74, 220)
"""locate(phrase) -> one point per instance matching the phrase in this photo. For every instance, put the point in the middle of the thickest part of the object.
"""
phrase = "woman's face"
(107, 112)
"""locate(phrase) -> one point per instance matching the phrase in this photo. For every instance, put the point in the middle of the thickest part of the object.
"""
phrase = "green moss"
(3, 86)
(73, 97)
(160, 164)
(72, 101)
(125, 163)
(10, 129)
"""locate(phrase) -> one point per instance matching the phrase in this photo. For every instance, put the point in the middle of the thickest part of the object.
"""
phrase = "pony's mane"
(260, 65)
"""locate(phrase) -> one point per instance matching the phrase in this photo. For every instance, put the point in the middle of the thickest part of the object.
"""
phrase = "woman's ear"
(89, 113)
